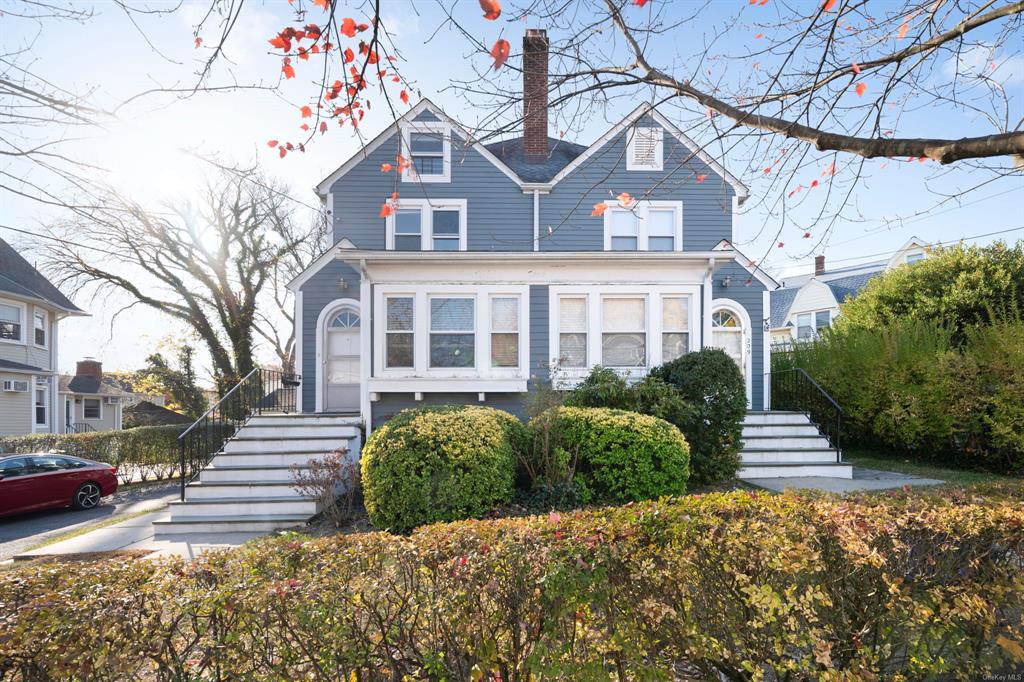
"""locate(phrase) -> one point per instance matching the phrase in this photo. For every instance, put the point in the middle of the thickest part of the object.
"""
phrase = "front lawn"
(873, 458)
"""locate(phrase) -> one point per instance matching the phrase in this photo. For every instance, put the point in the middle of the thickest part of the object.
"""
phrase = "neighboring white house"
(806, 304)
(87, 402)
(30, 309)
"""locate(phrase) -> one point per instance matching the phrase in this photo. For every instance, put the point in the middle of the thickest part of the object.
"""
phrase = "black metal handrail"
(79, 428)
(261, 390)
(796, 390)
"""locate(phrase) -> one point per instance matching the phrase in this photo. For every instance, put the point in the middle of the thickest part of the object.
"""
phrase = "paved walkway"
(863, 479)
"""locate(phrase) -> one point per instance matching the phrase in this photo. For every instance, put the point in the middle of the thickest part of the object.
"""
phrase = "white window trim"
(571, 376)
(24, 322)
(648, 315)
(659, 150)
(46, 327)
(409, 174)
(97, 398)
(814, 321)
(387, 332)
(474, 330)
(421, 295)
(640, 209)
(688, 331)
(45, 427)
(426, 208)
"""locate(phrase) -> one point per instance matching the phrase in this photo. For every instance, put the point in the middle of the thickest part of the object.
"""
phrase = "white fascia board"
(421, 106)
(318, 264)
(356, 256)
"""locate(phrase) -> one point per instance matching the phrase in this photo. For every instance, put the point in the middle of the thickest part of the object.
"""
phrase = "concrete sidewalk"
(137, 534)
(863, 479)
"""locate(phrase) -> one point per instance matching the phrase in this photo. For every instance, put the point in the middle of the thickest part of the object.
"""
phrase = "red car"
(45, 481)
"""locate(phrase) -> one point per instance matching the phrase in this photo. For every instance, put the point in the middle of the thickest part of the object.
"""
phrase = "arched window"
(723, 319)
(346, 319)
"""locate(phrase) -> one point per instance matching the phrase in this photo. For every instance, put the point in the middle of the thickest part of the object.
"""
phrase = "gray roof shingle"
(560, 154)
(21, 279)
(842, 288)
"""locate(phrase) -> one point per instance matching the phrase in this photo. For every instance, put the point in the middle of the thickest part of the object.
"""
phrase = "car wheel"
(87, 496)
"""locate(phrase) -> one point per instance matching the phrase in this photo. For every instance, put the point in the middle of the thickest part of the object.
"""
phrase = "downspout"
(536, 220)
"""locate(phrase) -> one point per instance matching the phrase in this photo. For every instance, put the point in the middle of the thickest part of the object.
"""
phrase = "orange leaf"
(304, 126)
(282, 151)
(861, 89)
(306, 112)
(272, 143)
(396, 79)
(903, 29)
(829, 4)
(639, 3)
(405, 96)
(700, 178)
(385, 210)
(350, 56)
(321, 3)
(199, 41)
(759, 36)
(856, 68)
(394, 196)
(385, 168)
(625, 200)
(599, 208)
(348, 27)
(323, 127)
(814, 183)
(281, 43)
(500, 52)
(767, 171)
(491, 8)
(287, 69)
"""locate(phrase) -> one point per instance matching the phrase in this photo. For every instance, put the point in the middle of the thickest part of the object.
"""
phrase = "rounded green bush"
(439, 464)
(621, 456)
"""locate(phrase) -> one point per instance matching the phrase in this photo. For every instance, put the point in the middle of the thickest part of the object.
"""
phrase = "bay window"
(427, 225)
(10, 322)
(624, 331)
(644, 226)
(398, 332)
(572, 331)
(504, 331)
(452, 332)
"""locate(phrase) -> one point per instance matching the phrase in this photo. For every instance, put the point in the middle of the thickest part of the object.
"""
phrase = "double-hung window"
(92, 408)
(504, 331)
(808, 325)
(644, 226)
(624, 331)
(398, 332)
(10, 322)
(675, 327)
(572, 331)
(427, 145)
(427, 225)
(452, 332)
(40, 319)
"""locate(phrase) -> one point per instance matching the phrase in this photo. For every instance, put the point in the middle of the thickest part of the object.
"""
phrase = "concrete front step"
(825, 454)
(257, 505)
(299, 458)
(297, 430)
(264, 523)
(246, 472)
(787, 429)
(796, 470)
(812, 442)
(244, 444)
(775, 417)
(303, 419)
(239, 488)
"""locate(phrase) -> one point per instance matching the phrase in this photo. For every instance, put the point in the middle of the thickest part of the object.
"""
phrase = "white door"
(730, 331)
(341, 361)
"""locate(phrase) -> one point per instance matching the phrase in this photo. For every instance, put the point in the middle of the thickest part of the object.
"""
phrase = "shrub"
(439, 464)
(713, 388)
(959, 286)
(621, 456)
(735, 586)
(333, 481)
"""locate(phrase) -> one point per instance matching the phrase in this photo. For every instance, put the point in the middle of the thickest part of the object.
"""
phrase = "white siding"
(15, 409)
(813, 296)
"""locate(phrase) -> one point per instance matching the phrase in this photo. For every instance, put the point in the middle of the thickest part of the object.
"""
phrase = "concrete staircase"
(780, 444)
(246, 488)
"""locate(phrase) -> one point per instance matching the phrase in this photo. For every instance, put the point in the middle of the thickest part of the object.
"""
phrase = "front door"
(731, 332)
(341, 361)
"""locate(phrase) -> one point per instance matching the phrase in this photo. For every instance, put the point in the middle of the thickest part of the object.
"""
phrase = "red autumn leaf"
(700, 178)
(814, 183)
(807, 235)
(639, 3)
(904, 27)
(829, 170)
(304, 126)
(282, 152)
(763, 3)
(385, 210)
(323, 127)
(856, 68)
(781, 244)
(767, 171)
(348, 27)
(313, 31)
(385, 168)
(281, 43)
(491, 8)
(500, 52)
(306, 112)
(599, 208)
(321, 3)
(350, 56)
(372, 58)
(272, 143)
(396, 79)
(861, 89)
(829, 4)
(625, 200)
(199, 41)
(405, 96)
(394, 196)
(759, 36)
(287, 69)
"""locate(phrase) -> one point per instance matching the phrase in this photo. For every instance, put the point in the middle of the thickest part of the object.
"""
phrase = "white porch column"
(365, 347)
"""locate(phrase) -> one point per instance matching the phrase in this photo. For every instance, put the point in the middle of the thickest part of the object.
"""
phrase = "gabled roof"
(88, 385)
(842, 288)
(18, 277)
(845, 287)
(781, 301)
(560, 154)
(763, 277)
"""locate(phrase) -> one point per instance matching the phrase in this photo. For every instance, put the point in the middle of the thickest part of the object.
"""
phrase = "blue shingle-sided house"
(493, 268)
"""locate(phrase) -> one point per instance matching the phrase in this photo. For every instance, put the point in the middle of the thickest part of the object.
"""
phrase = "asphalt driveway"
(19, 532)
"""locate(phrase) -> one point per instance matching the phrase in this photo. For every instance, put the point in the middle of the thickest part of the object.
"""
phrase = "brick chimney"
(819, 266)
(89, 368)
(535, 95)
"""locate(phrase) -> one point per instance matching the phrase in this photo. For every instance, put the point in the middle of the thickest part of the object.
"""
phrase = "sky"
(145, 148)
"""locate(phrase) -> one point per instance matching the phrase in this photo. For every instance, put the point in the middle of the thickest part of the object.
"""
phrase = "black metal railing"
(795, 389)
(79, 428)
(260, 391)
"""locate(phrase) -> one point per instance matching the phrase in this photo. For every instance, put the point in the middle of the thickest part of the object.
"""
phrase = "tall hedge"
(439, 464)
(733, 586)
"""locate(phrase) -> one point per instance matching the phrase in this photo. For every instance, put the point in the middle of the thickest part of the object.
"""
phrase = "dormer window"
(645, 149)
(428, 147)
